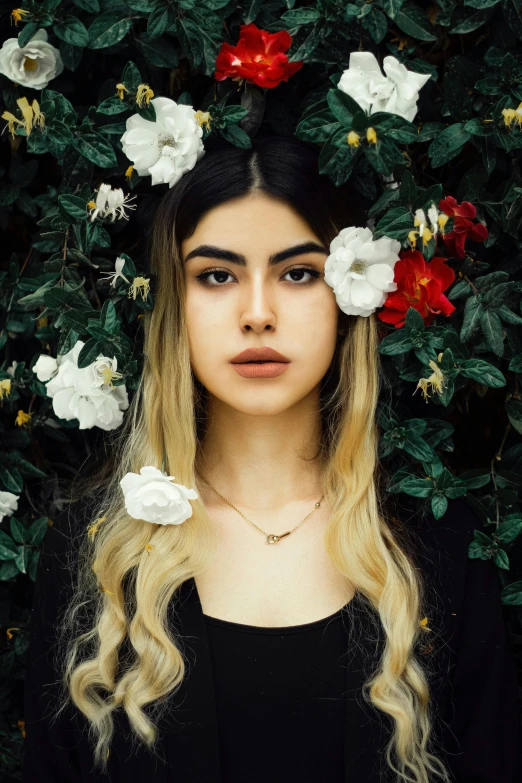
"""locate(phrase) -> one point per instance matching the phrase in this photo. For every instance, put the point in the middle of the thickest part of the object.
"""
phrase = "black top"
(473, 682)
(279, 694)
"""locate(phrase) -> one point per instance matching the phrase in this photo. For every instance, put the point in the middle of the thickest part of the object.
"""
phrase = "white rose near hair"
(360, 270)
(167, 148)
(32, 65)
(8, 504)
(85, 393)
(151, 495)
(397, 92)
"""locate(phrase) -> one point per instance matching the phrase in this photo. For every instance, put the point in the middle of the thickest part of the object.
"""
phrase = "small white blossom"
(360, 270)
(110, 202)
(152, 496)
(32, 65)
(12, 368)
(397, 92)
(45, 368)
(86, 394)
(113, 276)
(167, 148)
(433, 214)
(8, 504)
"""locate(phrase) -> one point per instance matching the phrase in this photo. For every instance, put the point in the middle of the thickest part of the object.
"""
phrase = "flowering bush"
(107, 103)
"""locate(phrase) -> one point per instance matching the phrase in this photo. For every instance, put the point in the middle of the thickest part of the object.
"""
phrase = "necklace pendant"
(273, 539)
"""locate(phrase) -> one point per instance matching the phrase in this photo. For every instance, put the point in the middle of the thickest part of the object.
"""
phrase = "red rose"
(258, 57)
(420, 285)
(463, 228)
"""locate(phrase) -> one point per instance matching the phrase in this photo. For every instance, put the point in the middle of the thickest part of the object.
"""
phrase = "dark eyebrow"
(211, 251)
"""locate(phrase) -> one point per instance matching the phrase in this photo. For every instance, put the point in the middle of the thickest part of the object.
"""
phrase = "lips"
(259, 355)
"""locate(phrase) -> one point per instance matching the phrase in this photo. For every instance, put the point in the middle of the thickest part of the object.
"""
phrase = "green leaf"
(510, 529)
(447, 144)
(131, 76)
(407, 188)
(159, 52)
(316, 128)
(514, 413)
(376, 24)
(299, 16)
(412, 20)
(236, 136)
(96, 149)
(383, 156)
(342, 106)
(190, 38)
(71, 55)
(492, 330)
(108, 29)
(73, 207)
(158, 22)
(511, 10)
(392, 7)
(396, 224)
(91, 6)
(72, 31)
(25, 35)
(59, 133)
(337, 162)
(109, 318)
(473, 21)
(89, 353)
(481, 3)
(482, 372)
(37, 530)
(512, 594)
(113, 105)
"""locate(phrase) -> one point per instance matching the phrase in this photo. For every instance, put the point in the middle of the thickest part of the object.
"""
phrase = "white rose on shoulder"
(85, 394)
(397, 92)
(152, 496)
(167, 148)
(32, 65)
(360, 270)
(8, 504)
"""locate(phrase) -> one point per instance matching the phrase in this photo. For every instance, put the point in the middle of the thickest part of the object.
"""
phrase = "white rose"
(363, 80)
(397, 92)
(8, 504)
(45, 367)
(360, 270)
(153, 497)
(86, 394)
(167, 148)
(405, 94)
(32, 65)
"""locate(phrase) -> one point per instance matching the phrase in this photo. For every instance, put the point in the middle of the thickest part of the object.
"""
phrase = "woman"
(294, 627)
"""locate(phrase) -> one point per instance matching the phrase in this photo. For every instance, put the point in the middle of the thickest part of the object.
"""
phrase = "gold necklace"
(270, 537)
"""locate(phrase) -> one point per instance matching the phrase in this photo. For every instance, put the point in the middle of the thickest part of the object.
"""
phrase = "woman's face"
(249, 301)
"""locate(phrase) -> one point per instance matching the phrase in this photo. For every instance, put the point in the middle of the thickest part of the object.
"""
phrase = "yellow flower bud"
(371, 136)
(353, 139)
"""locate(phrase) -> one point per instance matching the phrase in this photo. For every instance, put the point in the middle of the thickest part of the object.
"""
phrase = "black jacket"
(472, 675)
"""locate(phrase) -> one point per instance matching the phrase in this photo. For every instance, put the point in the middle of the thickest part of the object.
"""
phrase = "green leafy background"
(465, 440)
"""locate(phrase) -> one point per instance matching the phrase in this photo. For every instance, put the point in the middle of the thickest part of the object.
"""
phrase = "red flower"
(463, 228)
(259, 57)
(420, 285)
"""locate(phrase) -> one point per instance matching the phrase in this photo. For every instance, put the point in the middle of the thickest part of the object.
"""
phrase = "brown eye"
(222, 274)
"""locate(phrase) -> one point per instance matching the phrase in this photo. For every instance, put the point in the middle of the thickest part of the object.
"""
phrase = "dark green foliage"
(462, 437)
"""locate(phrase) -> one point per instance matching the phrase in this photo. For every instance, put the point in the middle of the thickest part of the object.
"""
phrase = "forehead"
(257, 220)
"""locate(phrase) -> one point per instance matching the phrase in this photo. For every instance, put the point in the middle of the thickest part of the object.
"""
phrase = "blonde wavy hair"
(128, 572)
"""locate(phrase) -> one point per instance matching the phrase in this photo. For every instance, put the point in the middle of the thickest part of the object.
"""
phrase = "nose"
(257, 307)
